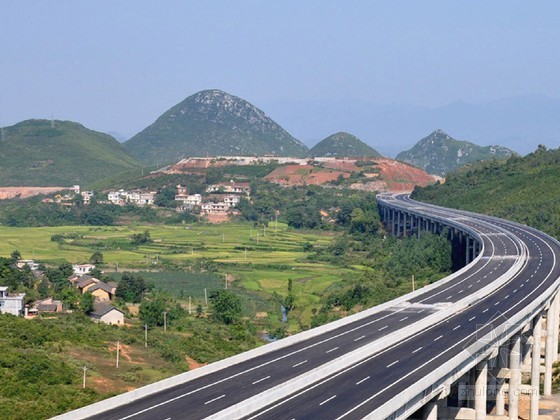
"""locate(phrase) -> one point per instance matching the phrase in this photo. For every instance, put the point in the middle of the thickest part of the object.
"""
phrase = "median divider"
(284, 390)
(320, 372)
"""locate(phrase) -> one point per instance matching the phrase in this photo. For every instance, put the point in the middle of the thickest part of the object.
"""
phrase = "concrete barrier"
(351, 358)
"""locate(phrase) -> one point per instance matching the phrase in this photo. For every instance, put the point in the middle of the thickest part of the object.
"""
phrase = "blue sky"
(117, 65)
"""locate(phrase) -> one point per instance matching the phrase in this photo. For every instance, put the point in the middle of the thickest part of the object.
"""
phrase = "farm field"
(256, 261)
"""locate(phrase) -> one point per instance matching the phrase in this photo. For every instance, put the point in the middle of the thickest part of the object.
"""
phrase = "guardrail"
(281, 391)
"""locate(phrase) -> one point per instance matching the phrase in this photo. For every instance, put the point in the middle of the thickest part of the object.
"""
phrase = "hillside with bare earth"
(377, 174)
(25, 192)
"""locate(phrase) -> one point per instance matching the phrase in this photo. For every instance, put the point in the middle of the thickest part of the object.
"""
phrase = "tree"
(96, 258)
(59, 276)
(131, 288)
(226, 305)
(141, 238)
(166, 197)
(15, 255)
(86, 303)
(96, 272)
(153, 307)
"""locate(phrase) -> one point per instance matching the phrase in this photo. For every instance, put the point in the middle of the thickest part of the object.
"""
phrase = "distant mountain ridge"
(342, 145)
(216, 123)
(519, 123)
(440, 153)
(62, 153)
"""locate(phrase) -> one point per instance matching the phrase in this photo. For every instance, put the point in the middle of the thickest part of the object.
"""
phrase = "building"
(86, 196)
(182, 193)
(189, 200)
(48, 305)
(211, 207)
(30, 263)
(136, 197)
(99, 289)
(230, 187)
(82, 268)
(117, 197)
(11, 304)
(106, 313)
(231, 200)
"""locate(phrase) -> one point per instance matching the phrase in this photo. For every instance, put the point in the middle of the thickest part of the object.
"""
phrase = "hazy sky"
(117, 65)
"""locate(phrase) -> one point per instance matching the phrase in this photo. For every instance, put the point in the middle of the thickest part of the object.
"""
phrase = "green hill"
(522, 189)
(58, 153)
(342, 145)
(216, 123)
(439, 153)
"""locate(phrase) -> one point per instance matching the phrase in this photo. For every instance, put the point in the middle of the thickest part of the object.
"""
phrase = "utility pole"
(164, 321)
(84, 379)
(145, 335)
(118, 349)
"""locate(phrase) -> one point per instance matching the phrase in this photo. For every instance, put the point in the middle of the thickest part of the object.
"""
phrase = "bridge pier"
(481, 389)
(551, 324)
(536, 367)
(500, 381)
(486, 382)
(515, 376)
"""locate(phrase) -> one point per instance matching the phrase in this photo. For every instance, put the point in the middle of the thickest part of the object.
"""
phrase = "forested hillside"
(524, 189)
(59, 153)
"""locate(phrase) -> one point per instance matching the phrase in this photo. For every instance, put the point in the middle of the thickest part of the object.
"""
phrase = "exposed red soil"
(217, 217)
(24, 192)
(193, 364)
(304, 175)
(402, 177)
(384, 175)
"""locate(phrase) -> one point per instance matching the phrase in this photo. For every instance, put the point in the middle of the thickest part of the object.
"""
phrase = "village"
(217, 205)
(81, 280)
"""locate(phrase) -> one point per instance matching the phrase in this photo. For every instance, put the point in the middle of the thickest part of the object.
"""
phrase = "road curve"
(397, 344)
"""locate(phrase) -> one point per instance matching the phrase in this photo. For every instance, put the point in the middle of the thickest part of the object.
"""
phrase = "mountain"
(342, 145)
(524, 189)
(216, 123)
(439, 153)
(520, 123)
(58, 153)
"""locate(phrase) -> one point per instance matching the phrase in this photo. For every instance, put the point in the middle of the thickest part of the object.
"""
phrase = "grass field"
(260, 261)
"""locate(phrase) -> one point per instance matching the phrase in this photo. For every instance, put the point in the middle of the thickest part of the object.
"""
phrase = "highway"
(525, 256)
(358, 391)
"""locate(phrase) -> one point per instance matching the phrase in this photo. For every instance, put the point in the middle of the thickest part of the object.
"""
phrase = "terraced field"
(256, 261)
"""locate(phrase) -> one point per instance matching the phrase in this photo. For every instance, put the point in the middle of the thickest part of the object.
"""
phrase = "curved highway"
(405, 339)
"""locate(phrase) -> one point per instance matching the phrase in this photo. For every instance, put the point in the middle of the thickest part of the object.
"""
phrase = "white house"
(211, 207)
(138, 197)
(231, 200)
(230, 187)
(86, 195)
(116, 197)
(11, 304)
(30, 263)
(82, 268)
